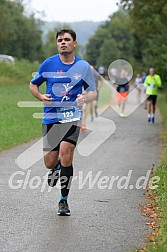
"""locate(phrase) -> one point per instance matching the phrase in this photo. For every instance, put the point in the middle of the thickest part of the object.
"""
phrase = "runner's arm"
(90, 96)
(86, 97)
(146, 84)
(34, 89)
(158, 81)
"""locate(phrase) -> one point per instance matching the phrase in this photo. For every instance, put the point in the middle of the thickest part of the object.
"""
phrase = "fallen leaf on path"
(152, 225)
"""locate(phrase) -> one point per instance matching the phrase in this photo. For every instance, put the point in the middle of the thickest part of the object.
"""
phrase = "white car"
(7, 58)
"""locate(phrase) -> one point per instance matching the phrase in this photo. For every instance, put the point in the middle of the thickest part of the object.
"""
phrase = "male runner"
(66, 76)
(152, 83)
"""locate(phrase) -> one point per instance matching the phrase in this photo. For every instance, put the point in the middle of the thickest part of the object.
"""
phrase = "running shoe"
(149, 119)
(122, 115)
(153, 120)
(53, 175)
(63, 208)
(83, 128)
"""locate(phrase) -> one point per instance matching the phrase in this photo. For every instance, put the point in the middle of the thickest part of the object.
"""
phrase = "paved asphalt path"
(105, 219)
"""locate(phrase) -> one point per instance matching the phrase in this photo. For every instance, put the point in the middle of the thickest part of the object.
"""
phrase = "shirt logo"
(77, 76)
(66, 92)
(59, 71)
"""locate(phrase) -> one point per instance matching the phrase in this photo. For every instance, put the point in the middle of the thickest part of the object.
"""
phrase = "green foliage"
(149, 23)
(113, 40)
(50, 45)
(148, 15)
(19, 73)
(136, 33)
(119, 42)
(109, 52)
(20, 37)
(94, 45)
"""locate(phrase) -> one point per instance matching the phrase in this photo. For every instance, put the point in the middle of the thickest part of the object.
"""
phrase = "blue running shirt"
(64, 82)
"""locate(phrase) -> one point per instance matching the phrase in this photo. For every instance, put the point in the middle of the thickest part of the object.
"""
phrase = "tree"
(115, 39)
(94, 44)
(150, 22)
(21, 37)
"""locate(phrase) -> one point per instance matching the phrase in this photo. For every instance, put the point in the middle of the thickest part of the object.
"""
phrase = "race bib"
(69, 114)
(152, 86)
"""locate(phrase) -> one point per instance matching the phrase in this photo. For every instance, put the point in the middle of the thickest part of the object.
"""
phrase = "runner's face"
(65, 44)
(152, 71)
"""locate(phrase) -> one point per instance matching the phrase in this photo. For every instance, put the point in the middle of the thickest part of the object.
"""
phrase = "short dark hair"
(70, 31)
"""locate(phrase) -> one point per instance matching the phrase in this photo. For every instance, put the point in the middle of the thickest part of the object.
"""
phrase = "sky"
(74, 10)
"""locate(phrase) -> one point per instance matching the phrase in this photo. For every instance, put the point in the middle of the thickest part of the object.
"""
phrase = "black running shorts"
(55, 133)
(152, 98)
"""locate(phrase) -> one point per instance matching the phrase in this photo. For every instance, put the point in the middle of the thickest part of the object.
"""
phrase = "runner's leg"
(66, 173)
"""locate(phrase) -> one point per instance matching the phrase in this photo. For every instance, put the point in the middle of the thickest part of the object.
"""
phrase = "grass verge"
(17, 124)
(158, 241)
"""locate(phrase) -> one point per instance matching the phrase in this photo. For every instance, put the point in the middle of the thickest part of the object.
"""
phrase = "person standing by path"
(152, 83)
(66, 75)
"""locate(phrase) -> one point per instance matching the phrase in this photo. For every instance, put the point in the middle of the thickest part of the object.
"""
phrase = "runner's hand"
(81, 99)
(46, 98)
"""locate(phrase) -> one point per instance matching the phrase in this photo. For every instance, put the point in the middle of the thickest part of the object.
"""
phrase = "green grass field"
(17, 124)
